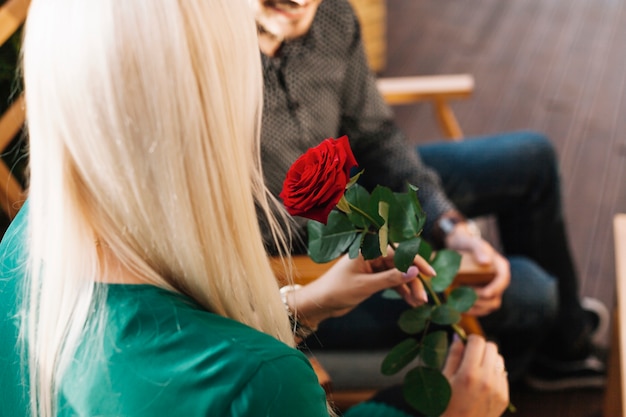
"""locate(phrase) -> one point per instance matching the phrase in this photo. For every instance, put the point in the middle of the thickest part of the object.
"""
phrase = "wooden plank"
(11, 122)
(12, 15)
(405, 90)
(616, 388)
(305, 270)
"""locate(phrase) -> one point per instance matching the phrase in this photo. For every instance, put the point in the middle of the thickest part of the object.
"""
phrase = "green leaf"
(427, 390)
(434, 349)
(414, 320)
(355, 247)
(403, 223)
(405, 253)
(363, 213)
(383, 232)
(446, 263)
(379, 194)
(343, 205)
(462, 299)
(400, 356)
(329, 241)
(425, 251)
(406, 218)
(354, 179)
(445, 315)
(390, 294)
(359, 198)
(421, 215)
(370, 249)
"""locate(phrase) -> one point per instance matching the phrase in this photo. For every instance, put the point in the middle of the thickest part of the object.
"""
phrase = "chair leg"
(11, 193)
(471, 325)
(613, 395)
(11, 122)
(447, 120)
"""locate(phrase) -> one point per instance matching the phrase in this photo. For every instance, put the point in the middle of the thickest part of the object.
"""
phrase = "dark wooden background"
(556, 66)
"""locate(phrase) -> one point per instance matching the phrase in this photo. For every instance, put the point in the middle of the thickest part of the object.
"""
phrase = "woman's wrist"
(304, 324)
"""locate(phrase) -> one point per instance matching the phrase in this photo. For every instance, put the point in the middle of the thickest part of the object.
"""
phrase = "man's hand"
(462, 238)
(478, 379)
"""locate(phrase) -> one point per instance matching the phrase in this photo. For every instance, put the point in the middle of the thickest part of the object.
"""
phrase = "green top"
(162, 354)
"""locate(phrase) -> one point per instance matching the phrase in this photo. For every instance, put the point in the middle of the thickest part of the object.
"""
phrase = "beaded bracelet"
(300, 330)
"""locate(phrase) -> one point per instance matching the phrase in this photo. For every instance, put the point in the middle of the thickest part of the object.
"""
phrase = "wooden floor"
(557, 66)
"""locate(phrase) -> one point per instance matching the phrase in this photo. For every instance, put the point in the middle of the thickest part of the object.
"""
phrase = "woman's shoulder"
(162, 352)
(145, 315)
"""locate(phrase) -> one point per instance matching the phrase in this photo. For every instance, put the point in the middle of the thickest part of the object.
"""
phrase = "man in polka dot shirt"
(318, 85)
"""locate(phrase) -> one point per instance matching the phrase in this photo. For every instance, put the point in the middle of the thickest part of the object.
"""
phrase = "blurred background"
(556, 66)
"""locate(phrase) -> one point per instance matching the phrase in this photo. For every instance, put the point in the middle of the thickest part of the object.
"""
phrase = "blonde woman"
(146, 287)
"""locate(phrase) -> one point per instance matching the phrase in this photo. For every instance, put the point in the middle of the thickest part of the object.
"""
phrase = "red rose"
(317, 180)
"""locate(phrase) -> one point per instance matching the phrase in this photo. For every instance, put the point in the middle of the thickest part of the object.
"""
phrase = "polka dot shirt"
(320, 86)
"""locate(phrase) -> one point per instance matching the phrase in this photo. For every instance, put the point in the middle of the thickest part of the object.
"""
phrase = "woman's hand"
(351, 281)
(490, 295)
(478, 379)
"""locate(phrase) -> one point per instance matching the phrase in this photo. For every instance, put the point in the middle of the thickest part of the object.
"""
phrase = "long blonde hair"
(144, 131)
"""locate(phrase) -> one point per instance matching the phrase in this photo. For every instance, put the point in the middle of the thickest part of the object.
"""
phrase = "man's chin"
(280, 28)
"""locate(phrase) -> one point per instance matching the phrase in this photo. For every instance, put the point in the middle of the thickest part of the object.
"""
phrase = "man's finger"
(453, 361)
(474, 352)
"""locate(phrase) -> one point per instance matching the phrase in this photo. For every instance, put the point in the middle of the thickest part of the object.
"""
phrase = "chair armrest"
(404, 90)
(615, 393)
(12, 15)
(11, 122)
(305, 270)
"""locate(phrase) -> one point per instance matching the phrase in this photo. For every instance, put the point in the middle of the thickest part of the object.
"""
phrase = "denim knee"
(528, 150)
(529, 304)
(533, 288)
(534, 147)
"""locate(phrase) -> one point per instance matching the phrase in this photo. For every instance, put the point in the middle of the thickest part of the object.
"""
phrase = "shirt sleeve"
(379, 145)
(283, 387)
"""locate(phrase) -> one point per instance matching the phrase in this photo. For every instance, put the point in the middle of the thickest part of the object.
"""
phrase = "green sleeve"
(13, 376)
(284, 387)
(374, 409)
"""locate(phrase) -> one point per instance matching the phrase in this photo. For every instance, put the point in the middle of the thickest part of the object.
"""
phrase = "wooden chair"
(372, 15)
(439, 90)
(615, 394)
(12, 15)
(305, 270)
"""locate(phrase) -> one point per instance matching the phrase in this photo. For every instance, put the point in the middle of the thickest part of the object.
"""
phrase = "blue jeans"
(514, 177)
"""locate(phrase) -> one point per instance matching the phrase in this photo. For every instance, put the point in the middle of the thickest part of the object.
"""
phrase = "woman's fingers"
(424, 267)
(417, 291)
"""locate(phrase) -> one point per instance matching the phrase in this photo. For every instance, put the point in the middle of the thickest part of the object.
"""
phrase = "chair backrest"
(372, 15)
(12, 15)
